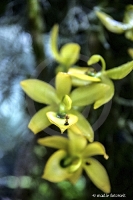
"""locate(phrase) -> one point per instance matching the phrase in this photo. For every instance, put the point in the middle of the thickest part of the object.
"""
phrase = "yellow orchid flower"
(58, 103)
(98, 93)
(74, 156)
(68, 54)
(119, 27)
(58, 109)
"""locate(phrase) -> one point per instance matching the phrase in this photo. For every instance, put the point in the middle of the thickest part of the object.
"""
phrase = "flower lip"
(62, 123)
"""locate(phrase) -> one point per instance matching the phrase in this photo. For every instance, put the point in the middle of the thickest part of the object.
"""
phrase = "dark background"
(25, 53)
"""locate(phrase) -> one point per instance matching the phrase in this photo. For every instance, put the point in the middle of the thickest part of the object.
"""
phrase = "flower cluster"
(74, 88)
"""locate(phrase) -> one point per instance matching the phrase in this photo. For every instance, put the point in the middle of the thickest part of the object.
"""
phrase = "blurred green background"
(25, 27)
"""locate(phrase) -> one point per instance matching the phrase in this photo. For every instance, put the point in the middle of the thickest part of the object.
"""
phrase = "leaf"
(82, 127)
(40, 121)
(95, 148)
(59, 122)
(86, 95)
(63, 84)
(70, 53)
(57, 142)
(39, 91)
(121, 71)
(111, 24)
(97, 174)
(53, 171)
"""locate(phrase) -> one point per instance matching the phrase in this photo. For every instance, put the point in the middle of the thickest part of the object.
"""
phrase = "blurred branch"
(36, 26)
(124, 102)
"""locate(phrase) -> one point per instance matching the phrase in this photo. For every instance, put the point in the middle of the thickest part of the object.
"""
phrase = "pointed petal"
(70, 53)
(82, 127)
(77, 143)
(75, 176)
(59, 122)
(63, 84)
(88, 94)
(107, 96)
(57, 142)
(95, 59)
(111, 24)
(53, 171)
(97, 174)
(54, 46)
(95, 148)
(40, 121)
(39, 91)
(121, 71)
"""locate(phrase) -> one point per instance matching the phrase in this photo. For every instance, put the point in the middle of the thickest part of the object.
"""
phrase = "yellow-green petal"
(57, 142)
(53, 171)
(75, 176)
(67, 102)
(95, 59)
(77, 143)
(54, 45)
(107, 94)
(40, 121)
(59, 122)
(80, 74)
(82, 127)
(95, 148)
(39, 91)
(70, 53)
(130, 52)
(63, 84)
(121, 71)
(111, 24)
(76, 164)
(86, 95)
(97, 174)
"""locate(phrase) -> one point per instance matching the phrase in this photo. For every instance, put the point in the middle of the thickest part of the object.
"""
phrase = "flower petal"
(39, 91)
(75, 176)
(70, 53)
(59, 122)
(82, 127)
(40, 121)
(57, 142)
(88, 94)
(53, 171)
(63, 84)
(95, 148)
(121, 71)
(97, 174)
(111, 24)
(77, 143)
(107, 96)
(54, 47)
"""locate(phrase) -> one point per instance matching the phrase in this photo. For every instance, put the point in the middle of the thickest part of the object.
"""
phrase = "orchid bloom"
(98, 93)
(74, 156)
(119, 27)
(58, 109)
(68, 54)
